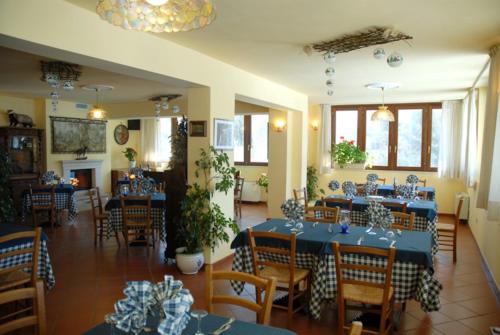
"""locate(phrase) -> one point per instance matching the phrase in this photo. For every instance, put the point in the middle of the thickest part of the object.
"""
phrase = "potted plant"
(6, 203)
(130, 154)
(263, 182)
(312, 183)
(203, 224)
(348, 155)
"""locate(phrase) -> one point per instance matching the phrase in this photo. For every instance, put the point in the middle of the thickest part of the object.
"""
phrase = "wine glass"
(371, 225)
(199, 314)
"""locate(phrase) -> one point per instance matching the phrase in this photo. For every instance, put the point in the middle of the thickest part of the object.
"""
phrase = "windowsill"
(250, 164)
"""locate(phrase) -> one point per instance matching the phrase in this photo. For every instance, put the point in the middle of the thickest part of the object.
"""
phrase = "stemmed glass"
(371, 225)
(199, 314)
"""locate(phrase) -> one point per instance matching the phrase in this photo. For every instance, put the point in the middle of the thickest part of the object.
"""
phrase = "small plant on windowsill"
(263, 181)
(346, 153)
(130, 154)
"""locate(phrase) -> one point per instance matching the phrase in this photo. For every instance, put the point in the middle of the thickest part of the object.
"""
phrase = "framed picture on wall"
(223, 134)
(198, 128)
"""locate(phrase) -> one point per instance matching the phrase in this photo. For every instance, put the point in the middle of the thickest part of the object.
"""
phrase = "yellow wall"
(34, 108)
(118, 160)
(445, 188)
(486, 232)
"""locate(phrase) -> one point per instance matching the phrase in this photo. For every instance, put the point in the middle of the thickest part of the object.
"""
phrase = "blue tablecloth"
(60, 188)
(411, 246)
(6, 229)
(388, 190)
(422, 208)
(208, 325)
(157, 201)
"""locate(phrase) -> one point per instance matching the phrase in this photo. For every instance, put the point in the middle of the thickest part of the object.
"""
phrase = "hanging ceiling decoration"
(157, 16)
(97, 112)
(162, 103)
(383, 113)
(349, 42)
(57, 73)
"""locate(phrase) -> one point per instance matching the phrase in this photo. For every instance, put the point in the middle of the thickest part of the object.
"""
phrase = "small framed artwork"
(198, 128)
(223, 134)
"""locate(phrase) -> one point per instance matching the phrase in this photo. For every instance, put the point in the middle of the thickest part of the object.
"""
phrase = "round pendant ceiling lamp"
(157, 16)
(383, 113)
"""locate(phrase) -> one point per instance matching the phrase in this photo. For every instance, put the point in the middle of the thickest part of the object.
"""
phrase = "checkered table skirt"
(63, 201)
(410, 281)
(421, 224)
(44, 266)
(157, 214)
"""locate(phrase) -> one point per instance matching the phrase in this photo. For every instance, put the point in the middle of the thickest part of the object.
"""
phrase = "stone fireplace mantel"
(74, 164)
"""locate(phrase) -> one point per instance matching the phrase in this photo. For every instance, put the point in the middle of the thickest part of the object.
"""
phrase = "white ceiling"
(450, 45)
(20, 75)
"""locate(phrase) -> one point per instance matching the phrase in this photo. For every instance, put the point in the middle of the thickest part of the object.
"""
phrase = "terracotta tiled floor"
(89, 280)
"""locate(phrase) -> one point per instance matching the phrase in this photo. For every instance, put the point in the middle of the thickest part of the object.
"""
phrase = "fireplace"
(85, 178)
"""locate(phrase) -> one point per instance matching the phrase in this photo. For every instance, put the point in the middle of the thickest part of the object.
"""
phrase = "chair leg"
(95, 233)
(454, 248)
(125, 237)
(291, 293)
(258, 295)
(117, 238)
(341, 316)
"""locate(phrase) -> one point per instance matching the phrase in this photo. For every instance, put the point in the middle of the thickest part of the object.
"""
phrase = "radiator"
(251, 192)
(464, 213)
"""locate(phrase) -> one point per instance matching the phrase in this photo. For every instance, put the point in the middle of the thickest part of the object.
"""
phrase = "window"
(409, 143)
(164, 147)
(251, 139)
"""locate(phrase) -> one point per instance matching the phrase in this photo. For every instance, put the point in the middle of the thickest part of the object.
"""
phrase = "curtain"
(451, 143)
(325, 140)
(149, 141)
(471, 143)
(488, 195)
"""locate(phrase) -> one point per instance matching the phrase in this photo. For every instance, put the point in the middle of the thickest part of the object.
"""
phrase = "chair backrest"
(263, 310)
(238, 188)
(136, 209)
(337, 202)
(19, 319)
(360, 189)
(261, 253)
(300, 194)
(95, 201)
(383, 180)
(457, 213)
(400, 220)
(423, 182)
(423, 195)
(28, 255)
(323, 214)
(353, 270)
(395, 206)
(356, 328)
(45, 196)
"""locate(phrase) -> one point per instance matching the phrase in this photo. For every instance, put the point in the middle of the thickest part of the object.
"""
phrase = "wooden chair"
(356, 328)
(14, 276)
(43, 201)
(137, 218)
(400, 219)
(363, 291)
(328, 214)
(383, 180)
(338, 202)
(360, 190)
(300, 195)
(395, 206)
(285, 273)
(422, 195)
(20, 319)
(447, 233)
(99, 216)
(423, 182)
(262, 309)
(238, 194)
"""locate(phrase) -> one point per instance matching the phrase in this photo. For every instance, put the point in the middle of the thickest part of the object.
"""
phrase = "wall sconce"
(315, 125)
(279, 125)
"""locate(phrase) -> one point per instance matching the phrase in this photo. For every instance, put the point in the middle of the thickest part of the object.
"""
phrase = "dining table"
(208, 325)
(388, 190)
(158, 206)
(413, 269)
(45, 270)
(64, 195)
(426, 212)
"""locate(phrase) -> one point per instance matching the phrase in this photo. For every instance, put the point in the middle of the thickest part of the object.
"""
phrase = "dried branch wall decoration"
(363, 39)
(62, 71)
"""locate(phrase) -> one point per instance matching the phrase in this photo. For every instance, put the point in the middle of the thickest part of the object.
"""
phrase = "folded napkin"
(176, 305)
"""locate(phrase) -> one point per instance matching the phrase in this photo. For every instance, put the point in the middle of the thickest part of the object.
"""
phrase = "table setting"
(64, 197)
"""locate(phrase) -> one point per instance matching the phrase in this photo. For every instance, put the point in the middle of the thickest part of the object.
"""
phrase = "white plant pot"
(131, 164)
(189, 264)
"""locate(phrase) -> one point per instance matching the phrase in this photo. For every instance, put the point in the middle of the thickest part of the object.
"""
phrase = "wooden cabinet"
(26, 149)
(115, 176)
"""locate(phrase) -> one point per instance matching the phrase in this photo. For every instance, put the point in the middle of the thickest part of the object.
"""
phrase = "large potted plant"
(346, 154)
(203, 223)
(6, 203)
(312, 183)
(130, 154)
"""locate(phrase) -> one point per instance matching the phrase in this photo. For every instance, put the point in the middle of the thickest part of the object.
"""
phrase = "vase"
(189, 264)
(131, 164)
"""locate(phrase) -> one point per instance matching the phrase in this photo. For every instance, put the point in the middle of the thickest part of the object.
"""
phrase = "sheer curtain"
(325, 140)
(149, 141)
(470, 175)
(451, 142)
(488, 195)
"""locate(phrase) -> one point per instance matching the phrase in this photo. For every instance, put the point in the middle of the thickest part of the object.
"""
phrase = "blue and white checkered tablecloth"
(45, 271)
(64, 200)
(157, 214)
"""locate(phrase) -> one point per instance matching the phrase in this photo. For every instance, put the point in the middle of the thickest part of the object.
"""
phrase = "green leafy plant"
(179, 145)
(346, 152)
(312, 183)
(6, 203)
(263, 181)
(203, 222)
(130, 154)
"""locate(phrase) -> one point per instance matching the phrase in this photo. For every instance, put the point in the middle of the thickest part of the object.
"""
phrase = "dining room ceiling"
(20, 75)
(451, 39)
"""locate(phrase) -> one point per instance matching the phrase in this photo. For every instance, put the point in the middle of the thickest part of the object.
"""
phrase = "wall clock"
(121, 134)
